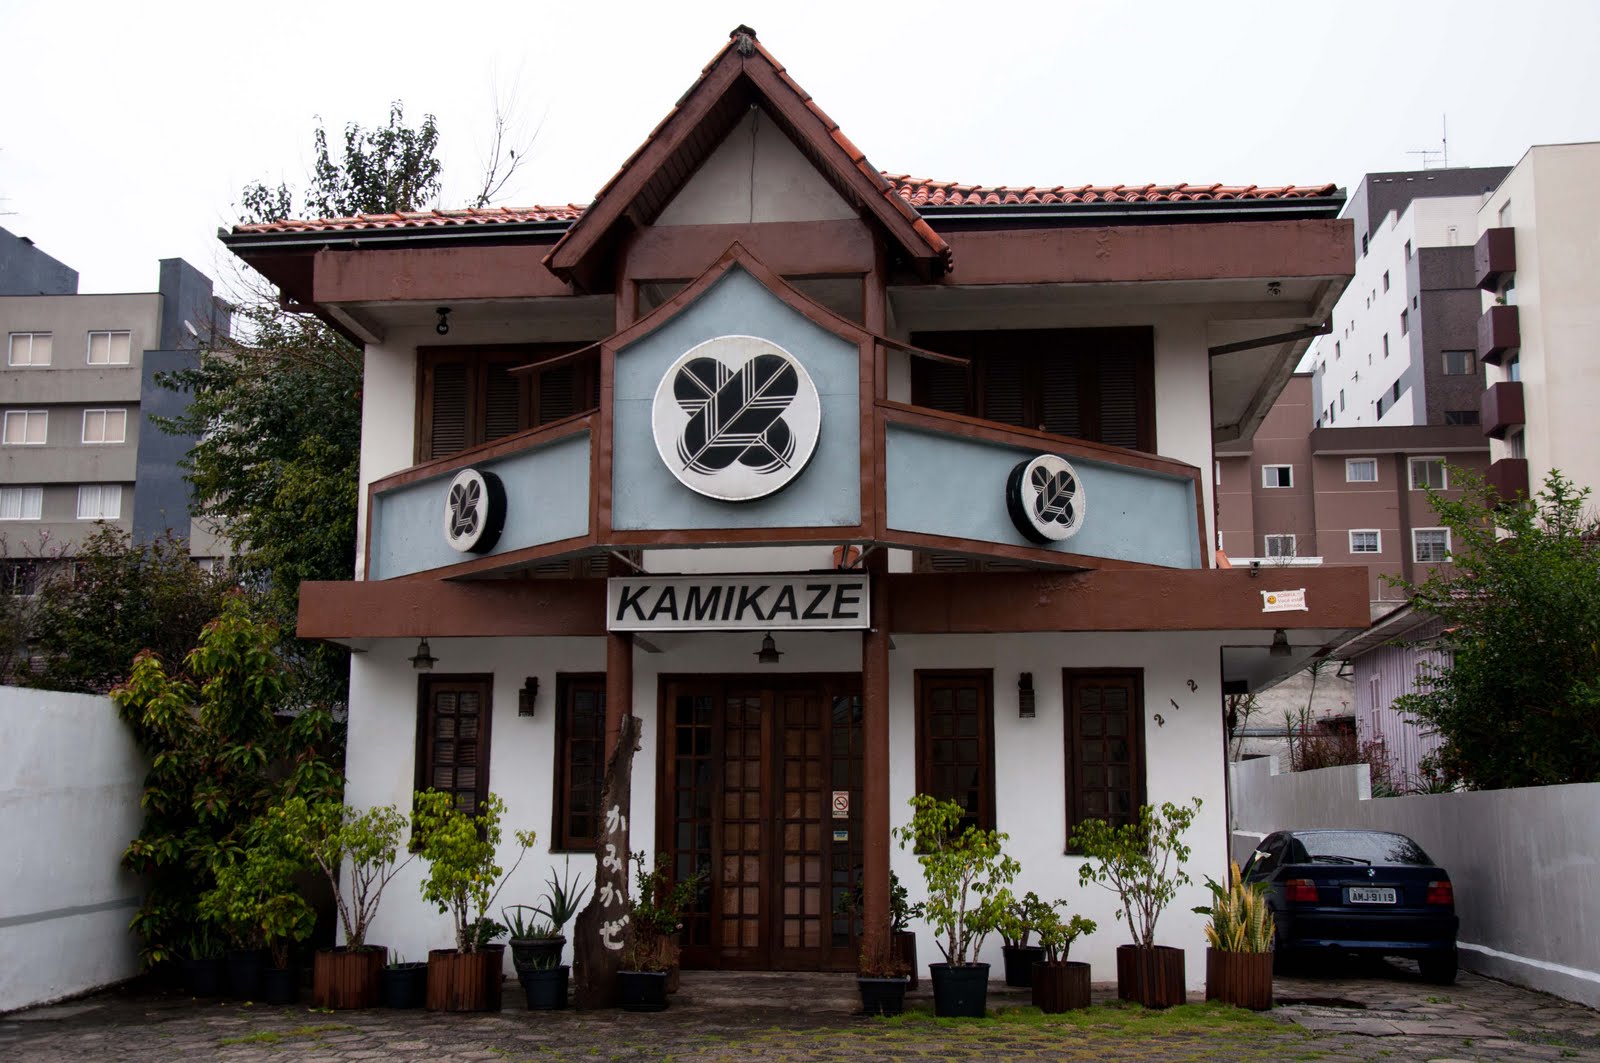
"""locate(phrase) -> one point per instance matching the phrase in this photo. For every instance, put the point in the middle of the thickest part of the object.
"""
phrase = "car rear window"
(1362, 847)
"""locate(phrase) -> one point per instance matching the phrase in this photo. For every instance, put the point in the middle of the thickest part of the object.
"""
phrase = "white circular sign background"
(1046, 499)
(736, 418)
(474, 511)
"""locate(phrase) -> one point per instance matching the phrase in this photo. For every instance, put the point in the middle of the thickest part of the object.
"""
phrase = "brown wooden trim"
(499, 562)
(1032, 439)
(619, 682)
(440, 608)
(1070, 782)
(925, 354)
(984, 678)
(983, 548)
(550, 363)
(721, 536)
(1179, 252)
(414, 274)
(875, 757)
(424, 757)
(497, 448)
(795, 248)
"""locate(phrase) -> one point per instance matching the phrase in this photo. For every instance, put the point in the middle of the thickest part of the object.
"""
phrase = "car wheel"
(1440, 970)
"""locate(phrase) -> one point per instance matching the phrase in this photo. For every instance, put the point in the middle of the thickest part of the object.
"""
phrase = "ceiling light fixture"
(443, 327)
(769, 652)
(423, 660)
(1280, 644)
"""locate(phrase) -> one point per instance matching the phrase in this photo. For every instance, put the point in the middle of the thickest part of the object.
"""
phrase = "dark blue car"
(1358, 891)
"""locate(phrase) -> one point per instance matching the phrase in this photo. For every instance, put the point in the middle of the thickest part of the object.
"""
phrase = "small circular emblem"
(474, 511)
(736, 418)
(1045, 499)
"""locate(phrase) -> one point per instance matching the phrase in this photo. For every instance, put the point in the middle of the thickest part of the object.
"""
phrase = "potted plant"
(882, 985)
(1020, 920)
(202, 962)
(902, 939)
(255, 896)
(1058, 984)
(463, 880)
(966, 874)
(402, 984)
(1239, 959)
(1142, 862)
(655, 916)
(332, 835)
(538, 937)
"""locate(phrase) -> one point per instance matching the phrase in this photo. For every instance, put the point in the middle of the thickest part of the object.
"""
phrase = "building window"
(1366, 541)
(1405, 322)
(1504, 216)
(955, 742)
(1408, 250)
(19, 577)
(1385, 280)
(1430, 546)
(1515, 447)
(1513, 367)
(1277, 476)
(1459, 363)
(1337, 350)
(453, 720)
(1363, 243)
(109, 348)
(1461, 417)
(29, 349)
(105, 426)
(21, 503)
(1386, 345)
(1096, 384)
(1361, 470)
(1104, 745)
(1341, 400)
(470, 396)
(1428, 472)
(26, 428)
(580, 761)
(99, 501)
(1278, 546)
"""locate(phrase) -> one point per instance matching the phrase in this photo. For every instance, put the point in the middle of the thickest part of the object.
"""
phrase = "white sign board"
(828, 602)
(1284, 601)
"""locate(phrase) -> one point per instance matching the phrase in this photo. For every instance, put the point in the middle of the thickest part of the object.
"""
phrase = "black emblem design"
(466, 500)
(1053, 503)
(474, 511)
(736, 415)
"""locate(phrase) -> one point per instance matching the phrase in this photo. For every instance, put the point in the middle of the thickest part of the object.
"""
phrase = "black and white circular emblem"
(736, 418)
(474, 511)
(1045, 499)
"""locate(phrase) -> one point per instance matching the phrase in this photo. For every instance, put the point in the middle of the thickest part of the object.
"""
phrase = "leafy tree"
(218, 757)
(966, 873)
(1141, 862)
(460, 850)
(1520, 704)
(96, 609)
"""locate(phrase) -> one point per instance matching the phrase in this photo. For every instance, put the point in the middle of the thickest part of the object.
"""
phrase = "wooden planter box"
(1152, 977)
(903, 947)
(1059, 987)
(1243, 979)
(346, 978)
(464, 981)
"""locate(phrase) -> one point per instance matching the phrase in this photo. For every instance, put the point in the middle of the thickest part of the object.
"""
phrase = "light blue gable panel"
(954, 485)
(547, 499)
(646, 496)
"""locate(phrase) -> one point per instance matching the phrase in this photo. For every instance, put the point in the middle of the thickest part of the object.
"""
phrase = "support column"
(875, 768)
(619, 685)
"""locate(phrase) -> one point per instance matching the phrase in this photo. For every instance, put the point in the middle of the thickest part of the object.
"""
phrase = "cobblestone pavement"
(1372, 1013)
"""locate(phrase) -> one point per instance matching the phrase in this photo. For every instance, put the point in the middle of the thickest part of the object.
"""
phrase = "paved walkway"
(1372, 1013)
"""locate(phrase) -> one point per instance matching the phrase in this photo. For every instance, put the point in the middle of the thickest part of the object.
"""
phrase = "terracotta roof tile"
(906, 193)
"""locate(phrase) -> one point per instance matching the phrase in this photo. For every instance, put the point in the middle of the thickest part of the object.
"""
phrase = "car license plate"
(1371, 895)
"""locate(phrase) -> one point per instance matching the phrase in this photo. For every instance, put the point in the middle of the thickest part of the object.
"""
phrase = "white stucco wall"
(1184, 754)
(1525, 863)
(70, 780)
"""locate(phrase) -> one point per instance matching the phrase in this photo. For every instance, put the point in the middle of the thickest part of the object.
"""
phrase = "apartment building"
(78, 392)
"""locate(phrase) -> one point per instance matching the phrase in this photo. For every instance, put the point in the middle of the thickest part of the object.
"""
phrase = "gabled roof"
(417, 219)
(742, 74)
(921, 192)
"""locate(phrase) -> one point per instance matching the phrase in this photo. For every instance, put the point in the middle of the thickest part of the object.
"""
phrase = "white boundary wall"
(70, 780)
(1525, 862)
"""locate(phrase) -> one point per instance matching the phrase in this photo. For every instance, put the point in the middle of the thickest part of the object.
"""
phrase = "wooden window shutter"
(938, 386)
(453, 722)
(502, 402)
(1061, 395)
(1005, 389)
(1104, 746)
(558, 393)
(955, 741)
(1119, 401)
(580, 760)
(449, 399)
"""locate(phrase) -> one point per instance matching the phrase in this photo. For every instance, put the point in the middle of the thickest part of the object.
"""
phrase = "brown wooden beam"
(391, 275)
(619, 685)
(793, 249)
(359, 609)
(875, 776)
(1274, 250)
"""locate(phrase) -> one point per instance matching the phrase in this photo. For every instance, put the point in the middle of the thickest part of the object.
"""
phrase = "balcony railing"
(1501, 408)
(1509, 478)
(1494, 257)
(1499, 333)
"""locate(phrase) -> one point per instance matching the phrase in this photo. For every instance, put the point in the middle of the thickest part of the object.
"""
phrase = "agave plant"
(1240, 919)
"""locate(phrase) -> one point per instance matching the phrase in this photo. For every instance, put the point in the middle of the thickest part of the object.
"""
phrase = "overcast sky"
(127, 130)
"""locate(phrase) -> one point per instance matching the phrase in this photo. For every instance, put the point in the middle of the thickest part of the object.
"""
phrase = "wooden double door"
(760, 787)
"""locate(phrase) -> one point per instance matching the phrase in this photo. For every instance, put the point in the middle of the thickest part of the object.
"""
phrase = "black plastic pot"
(244, 973)
(405, 985)
(546, 990)
(1019, 961)
(882, 996)
(279, 985)
(536, 954)
(959, 992)
(202, 978)
(642, 990)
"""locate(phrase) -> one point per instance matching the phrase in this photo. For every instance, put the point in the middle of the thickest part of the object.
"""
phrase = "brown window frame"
(479, 359)
(1035, 346)
(561, 840)
(927, 678)
(423, 764)
(1071, 787)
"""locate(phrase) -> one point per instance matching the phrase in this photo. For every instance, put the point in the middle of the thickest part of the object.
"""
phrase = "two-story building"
(845, 485)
